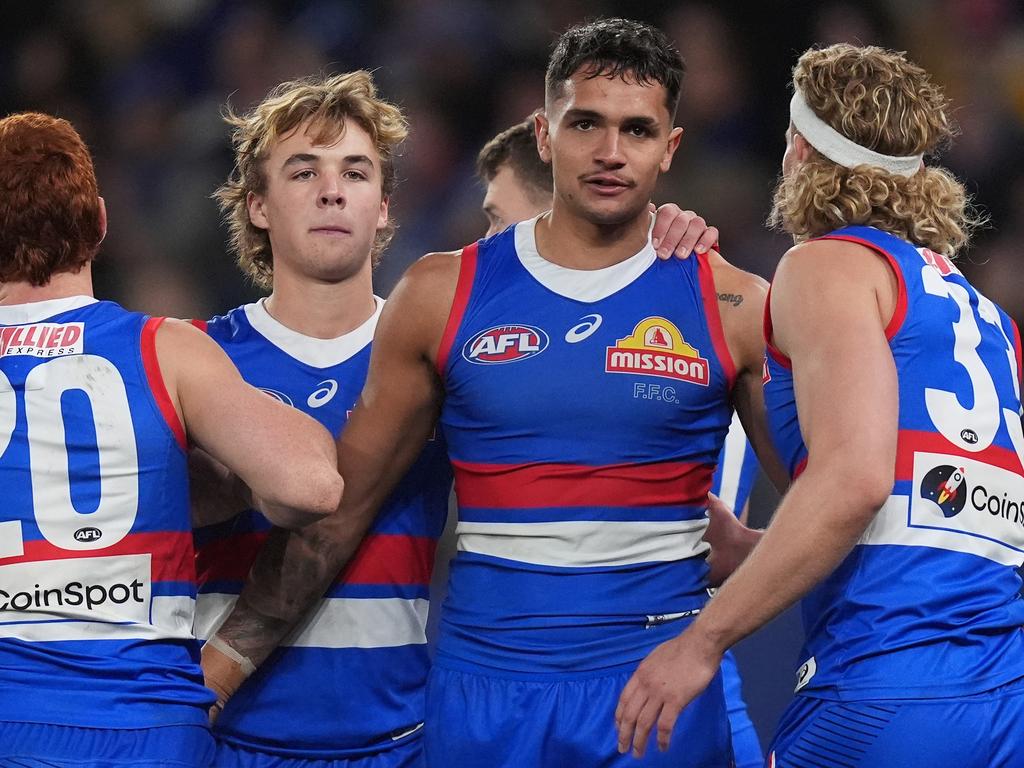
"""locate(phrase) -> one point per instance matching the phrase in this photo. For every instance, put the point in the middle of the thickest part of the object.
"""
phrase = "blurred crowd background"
(145, 80)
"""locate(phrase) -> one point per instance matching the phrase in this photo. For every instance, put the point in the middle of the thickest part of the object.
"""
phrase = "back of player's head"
(883, 102)
(50, 218)
(516, 149)
(616, 48)
(324, 105)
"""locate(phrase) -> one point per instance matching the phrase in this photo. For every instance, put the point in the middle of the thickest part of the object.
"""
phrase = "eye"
(639, 131)
(304, 175)
(583, 125)
(355, 175)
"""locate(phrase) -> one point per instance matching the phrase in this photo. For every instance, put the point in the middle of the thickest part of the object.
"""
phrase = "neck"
(319, 309)
(61, 286)
(569, 240)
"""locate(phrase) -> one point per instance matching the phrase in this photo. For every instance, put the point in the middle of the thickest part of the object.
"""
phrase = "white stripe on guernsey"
(172, 620)
(338, 622)
(890, 527)
(583, 544)
(733, 454)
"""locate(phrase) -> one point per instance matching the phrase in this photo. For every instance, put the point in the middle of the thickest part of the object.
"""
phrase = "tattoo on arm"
(731, 298)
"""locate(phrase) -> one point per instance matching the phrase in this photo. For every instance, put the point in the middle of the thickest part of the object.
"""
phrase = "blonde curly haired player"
(893, 390)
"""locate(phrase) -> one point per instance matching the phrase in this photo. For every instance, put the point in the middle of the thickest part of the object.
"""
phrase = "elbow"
(315, 496)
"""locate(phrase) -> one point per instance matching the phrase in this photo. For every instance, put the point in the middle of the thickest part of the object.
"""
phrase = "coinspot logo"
(946, 487)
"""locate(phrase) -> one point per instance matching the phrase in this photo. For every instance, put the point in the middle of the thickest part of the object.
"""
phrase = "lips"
(607, 183)
(331, 230)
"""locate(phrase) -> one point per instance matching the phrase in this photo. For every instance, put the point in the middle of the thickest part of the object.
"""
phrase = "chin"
(613, 213)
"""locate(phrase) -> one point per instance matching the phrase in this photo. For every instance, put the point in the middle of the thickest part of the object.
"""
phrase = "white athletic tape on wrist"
(841, 150)
(247, 666)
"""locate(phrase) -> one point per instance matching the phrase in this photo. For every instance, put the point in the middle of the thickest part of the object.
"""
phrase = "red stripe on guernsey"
(467, 271)
(202, 325)
(800, 467)
(534, 486)
(156, 380)
(900, 312)
(910, 442)
(1017, 348)
(382, 558)
(773, 351)
(173, 557)
(714, 318)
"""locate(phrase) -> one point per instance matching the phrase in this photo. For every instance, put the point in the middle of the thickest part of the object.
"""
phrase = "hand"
(671, 676)
(224, 671)
(730, 541)
(680, 232)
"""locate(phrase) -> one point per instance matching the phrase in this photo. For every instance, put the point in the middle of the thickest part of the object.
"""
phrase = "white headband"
(841, 150)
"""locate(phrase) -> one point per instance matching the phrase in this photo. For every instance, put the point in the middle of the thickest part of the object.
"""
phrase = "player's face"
(607, 140)
(323, 205)
(509, 200)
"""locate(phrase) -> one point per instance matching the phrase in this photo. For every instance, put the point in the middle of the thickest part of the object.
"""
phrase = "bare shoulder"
(417, 310)
(736, 286)
(833, 272)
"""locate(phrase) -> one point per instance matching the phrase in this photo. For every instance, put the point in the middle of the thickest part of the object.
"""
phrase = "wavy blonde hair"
(325, 104)
(882, 101)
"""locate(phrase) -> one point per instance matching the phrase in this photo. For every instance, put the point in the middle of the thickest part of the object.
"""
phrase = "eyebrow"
(589, 114)
(305, 157)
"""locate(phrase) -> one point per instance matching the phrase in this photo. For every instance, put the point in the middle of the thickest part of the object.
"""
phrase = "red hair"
(49, 202)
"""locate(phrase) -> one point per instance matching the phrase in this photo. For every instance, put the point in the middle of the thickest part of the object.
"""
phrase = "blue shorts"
(745, 744)
(38, 745)
(980, 731)
(478, 721)
(408, 754)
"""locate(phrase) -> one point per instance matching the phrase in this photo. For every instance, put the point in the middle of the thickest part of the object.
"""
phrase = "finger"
(666, 724)
(652, 208)
(685, 238)
(644, 724)
(663, 220)
(628, 720)
(624, 698)
(708, 240)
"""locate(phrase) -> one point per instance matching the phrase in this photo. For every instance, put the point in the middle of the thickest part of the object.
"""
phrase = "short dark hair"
(49, 203)
(615, 48)
(516, 147)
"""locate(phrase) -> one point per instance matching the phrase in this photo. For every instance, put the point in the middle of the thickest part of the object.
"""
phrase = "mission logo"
(947, 488)
(505, 344)
(657, 348)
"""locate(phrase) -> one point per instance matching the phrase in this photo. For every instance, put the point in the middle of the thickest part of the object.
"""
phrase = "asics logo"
(323, 394)
(582, 330)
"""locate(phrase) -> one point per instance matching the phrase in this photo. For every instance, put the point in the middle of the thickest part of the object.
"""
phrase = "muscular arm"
(282, 454)
(831, 303)
(386, 432)
(741, 298)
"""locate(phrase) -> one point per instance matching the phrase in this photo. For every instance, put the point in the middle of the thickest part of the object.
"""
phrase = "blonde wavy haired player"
(322, 107)
(893, 392)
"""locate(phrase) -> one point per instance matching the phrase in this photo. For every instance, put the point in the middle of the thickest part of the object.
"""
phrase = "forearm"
(806, 541)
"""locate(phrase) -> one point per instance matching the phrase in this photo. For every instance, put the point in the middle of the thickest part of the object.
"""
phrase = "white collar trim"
(587, 285)
(319, 353)
(36, 311)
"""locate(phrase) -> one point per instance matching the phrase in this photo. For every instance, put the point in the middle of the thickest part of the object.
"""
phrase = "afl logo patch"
(281, 397)
(505, 344)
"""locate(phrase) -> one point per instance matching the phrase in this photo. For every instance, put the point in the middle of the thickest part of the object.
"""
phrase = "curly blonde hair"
(325, 104)
(884, 102)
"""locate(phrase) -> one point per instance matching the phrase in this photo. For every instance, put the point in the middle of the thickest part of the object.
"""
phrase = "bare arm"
(386, 432)
(741, 298)
(282, 454)
(831, 303)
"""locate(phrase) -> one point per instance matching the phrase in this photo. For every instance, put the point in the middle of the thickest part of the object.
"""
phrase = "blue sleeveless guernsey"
(927, 603)
(350, 679)
(97, 575)
(584, 414)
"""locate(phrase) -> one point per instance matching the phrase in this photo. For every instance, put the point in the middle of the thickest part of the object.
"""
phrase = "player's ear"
(382, 215)
(257, 214)
(103, 220)
(540, 128)
(674, 137)
(801, 147)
